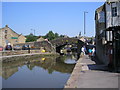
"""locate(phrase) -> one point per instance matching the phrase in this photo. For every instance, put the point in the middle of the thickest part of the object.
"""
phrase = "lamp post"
(85, 22)
(34, 31)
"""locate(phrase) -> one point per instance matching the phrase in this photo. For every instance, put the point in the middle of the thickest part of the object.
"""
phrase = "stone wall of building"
(21, 39)
(100, 27)
(104, 39)
(110, 19)
(7, 35)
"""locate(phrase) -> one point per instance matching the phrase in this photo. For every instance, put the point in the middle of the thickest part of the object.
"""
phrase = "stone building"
(100, 27)
(40, 39)
(107, 17)
(7, 35)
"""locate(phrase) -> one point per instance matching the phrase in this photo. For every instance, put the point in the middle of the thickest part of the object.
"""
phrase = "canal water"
(41, 72)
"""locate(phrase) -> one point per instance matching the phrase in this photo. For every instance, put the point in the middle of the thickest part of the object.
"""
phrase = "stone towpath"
(87, 74)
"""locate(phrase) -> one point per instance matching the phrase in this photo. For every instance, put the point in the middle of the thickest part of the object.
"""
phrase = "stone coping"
(16, 57)
(72, 81)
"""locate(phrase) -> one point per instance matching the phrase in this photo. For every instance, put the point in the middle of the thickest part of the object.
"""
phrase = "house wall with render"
(7, 35)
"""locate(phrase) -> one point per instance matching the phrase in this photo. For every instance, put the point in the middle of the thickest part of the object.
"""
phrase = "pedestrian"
(83, 50)
(28, 48)
(90, 51)
(93, 51)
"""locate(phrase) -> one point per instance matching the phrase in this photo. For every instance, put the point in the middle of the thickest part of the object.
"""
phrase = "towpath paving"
(88, 74)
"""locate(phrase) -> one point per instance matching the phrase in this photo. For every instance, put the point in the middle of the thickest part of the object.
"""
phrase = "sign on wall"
(14, 37)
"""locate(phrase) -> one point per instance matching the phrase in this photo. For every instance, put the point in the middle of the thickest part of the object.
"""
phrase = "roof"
(101, 8)
(12, 30)
(21, 35)
(112, 0)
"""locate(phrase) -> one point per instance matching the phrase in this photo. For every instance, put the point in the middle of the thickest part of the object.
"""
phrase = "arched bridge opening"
(61, 42)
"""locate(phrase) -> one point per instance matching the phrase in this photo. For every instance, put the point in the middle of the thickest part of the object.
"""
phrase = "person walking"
(93, 51)
(90, 51)
(83, 50)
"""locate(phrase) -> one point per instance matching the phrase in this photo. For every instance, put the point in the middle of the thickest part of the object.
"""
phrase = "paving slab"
(88, 74)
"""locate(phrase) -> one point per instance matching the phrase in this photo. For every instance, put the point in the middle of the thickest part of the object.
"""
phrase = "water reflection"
(47, 63)
(52, 65)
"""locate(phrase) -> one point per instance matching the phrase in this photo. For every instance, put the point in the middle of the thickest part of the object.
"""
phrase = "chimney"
(6, 25)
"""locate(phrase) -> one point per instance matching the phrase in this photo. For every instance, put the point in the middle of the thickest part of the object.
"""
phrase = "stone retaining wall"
(26, 56)
(17, 52)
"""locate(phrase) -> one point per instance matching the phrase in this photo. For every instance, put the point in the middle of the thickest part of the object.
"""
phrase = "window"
(101, 16)
(5, 31)
(114, 11)
(5, 36)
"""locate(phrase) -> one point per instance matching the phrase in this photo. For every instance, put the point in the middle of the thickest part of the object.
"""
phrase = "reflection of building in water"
(7, 72)
(10, 68)
(48, 63)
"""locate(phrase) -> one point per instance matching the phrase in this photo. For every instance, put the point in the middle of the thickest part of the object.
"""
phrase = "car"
(25, 47)
(17, 47)
(1, 48)
(8, 47)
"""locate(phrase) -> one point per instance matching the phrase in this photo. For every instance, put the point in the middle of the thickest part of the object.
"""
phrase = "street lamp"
(34, 31)
(85, 22)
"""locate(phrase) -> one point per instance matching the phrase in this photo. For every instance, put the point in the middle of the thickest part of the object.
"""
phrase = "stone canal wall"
(17, 52)
(25, 56)
(6, 53)
(72, 81)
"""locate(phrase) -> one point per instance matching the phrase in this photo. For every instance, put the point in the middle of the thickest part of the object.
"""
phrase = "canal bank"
(42, 72)
(88, 74)
(25, 56)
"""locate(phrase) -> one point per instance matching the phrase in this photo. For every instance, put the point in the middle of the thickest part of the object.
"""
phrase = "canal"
(40, 72)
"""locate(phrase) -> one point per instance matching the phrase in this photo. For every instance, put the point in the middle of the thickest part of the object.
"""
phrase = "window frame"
(114, 11)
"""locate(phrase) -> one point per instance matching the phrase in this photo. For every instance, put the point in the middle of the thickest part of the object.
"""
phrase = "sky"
(66, 18)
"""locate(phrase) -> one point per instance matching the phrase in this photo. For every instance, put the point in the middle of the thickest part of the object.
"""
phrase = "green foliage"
(76, 42)
(31, 38)
(61, 35)
(50, 35)
(56, 35)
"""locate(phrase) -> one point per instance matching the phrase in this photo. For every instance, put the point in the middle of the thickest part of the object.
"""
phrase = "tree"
(31, 38)
(61, 35)
(50, 35)
(56, 35)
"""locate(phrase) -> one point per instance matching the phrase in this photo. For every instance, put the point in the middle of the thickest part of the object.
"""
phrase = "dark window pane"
(114, 11)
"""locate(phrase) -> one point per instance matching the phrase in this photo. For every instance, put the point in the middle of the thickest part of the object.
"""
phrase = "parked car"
(25, 47)
(1, 48)
(8, 47)
(17, 47)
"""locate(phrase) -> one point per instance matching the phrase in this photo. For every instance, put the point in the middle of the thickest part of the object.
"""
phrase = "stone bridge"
(61, 42)
(55, 45)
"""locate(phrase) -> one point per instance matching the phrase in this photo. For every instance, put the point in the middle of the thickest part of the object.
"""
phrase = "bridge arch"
(60, 42)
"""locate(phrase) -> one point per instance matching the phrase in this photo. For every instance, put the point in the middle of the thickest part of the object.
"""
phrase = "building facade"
(112, 10)
(107, 20)
(7, 35)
